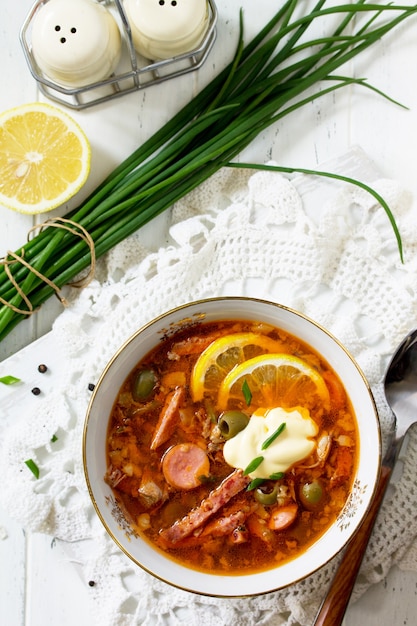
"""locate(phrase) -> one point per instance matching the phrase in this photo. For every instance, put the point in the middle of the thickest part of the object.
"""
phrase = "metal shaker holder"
(133, 71)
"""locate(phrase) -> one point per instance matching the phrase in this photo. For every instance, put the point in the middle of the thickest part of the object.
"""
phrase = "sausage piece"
(283, 516)
(184, 464)
(168, 417)
(231, 486)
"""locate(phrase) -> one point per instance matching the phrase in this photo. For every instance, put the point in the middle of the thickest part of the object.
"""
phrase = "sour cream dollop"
(295, 443)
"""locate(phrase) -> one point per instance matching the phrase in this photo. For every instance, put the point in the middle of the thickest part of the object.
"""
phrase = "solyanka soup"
(231, 447)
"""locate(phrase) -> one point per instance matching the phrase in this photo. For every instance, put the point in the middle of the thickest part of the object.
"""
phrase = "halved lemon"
(44, 158)
(222, 355)
(274, 380)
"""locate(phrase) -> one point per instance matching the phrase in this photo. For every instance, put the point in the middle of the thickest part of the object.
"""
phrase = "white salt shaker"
(75, 42)
(162, 29)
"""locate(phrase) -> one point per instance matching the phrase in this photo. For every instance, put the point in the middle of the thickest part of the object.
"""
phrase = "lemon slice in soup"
(273, 380)
(223, 354)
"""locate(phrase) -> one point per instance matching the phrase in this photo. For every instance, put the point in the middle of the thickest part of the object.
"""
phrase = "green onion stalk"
(269, 78)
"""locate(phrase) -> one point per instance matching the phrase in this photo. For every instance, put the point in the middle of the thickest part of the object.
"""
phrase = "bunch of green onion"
(267, 79)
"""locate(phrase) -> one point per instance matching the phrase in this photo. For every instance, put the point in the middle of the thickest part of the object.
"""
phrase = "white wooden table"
(38, 586)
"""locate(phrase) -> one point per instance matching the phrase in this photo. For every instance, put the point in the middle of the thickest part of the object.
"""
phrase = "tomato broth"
(168, 437)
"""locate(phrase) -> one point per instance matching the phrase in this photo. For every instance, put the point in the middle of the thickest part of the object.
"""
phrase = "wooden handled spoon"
(401, 392)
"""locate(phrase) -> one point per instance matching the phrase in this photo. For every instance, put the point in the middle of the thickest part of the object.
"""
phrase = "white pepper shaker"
(75, 42)
(163, 29)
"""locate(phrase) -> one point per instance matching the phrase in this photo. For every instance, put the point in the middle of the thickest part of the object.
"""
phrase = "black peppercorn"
(42, 368)
(91, 386)
(91, 583)
(36, 391)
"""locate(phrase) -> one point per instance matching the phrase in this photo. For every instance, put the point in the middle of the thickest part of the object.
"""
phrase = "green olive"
(143, 385)
(231, 423)
(312, 494)
(267, 493)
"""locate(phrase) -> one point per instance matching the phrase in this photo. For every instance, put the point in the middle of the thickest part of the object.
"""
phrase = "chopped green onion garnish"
(206, 480)
(277, 476)
(33, 467)
(256, 482)
(274, 435)
(253, 465)
(54, 438)
(210, 411)
(247, 393)
(9, 380)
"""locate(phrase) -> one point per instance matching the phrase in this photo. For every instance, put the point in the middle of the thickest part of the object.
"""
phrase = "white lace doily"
(323, 248)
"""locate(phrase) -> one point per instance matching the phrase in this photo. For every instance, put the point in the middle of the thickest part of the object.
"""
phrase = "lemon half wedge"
(44, 158)
(216, 361)
(275, 380)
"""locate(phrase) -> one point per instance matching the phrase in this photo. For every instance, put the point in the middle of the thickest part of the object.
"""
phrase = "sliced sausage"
(283, 516)
(193, 345)
(234, 517)
(184, 464)
(224, 525)
(168, 417)
(231, 485)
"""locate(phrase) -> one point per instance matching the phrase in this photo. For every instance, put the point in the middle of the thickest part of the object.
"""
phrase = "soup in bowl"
(231, 447)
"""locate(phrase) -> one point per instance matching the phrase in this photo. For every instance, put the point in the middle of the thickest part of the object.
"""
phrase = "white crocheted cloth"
(323, 248)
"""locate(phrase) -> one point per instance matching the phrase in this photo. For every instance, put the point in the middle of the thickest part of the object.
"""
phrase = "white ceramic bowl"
(319, 553)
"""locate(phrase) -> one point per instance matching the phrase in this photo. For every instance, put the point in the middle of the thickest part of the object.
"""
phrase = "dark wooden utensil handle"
(332, 610)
